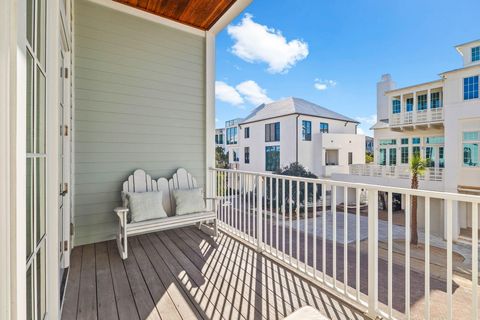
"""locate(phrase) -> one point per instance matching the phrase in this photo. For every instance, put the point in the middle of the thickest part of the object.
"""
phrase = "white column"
(402, 111)
(210, 107)
(428, 105)
(5, 178)
(414, 107)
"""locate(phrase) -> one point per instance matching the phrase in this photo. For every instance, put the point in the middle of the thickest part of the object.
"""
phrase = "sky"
(333, 53)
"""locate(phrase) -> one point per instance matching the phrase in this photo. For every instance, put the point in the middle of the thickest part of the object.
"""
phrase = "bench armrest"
(121, 213)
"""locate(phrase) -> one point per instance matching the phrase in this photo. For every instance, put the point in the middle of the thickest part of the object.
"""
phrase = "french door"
(36, 159)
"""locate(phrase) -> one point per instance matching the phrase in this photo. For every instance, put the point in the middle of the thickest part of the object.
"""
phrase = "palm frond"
(418, 165)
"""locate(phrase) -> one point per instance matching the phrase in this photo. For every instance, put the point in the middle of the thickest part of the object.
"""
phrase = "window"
(246, 155)
(232, 135)
(235, 156)
(219, 138)
(384, 142)
(382, 160)
(272, 132)
(434, 140)
(416, 151)
(392, 156)
(409, 105)
(430, 156)
(323, 127)
(470, 88)
(272, 158)
(435, 100)
(415, 140)
(396, 106)
(404, 141)
(475, 54)
(306, 130)
(422, 102)
(246, 132)
(404, 155)
(350, 157)
(471, 141)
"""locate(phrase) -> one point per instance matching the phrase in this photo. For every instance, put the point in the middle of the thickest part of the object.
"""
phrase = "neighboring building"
(369, 144)
(295, 130)
(440, 121)
(232, 148)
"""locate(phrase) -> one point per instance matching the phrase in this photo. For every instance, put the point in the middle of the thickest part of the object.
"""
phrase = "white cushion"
(189, 201)
(145, 206)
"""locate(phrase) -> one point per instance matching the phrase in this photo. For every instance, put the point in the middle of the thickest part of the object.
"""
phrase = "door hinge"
(64, 131)
(65, 189)
(66, 73)
(71, 228)
(65, 245)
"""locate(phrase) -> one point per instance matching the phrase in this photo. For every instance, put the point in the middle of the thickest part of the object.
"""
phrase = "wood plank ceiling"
(200, 14)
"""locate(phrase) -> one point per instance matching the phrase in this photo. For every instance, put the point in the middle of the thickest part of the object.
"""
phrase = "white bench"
(139, 181)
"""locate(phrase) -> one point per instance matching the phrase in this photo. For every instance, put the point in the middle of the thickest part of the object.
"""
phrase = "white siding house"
(277, 134)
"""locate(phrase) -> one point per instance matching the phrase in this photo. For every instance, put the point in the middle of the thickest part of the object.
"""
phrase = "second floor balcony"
(400, 172)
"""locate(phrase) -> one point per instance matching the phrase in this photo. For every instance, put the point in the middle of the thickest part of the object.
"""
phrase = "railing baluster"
(372, 252)
(271, 215)
(259, 213)
(475, 260)
(305, 233)
(283, 216)
(427, 257)
(324, 231)
(297, 214)
(345, 238)
(314, 212)
(357, 244)
(390, 254)
(449, 257)
(334, 230)
(276, 217)
(408, 235)
(291, 222)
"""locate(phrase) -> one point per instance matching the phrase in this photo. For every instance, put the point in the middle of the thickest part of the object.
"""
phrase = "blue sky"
(277, 49)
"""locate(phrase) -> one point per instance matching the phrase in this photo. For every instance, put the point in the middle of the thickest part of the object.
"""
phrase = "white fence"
(400, 171)
(335, 249)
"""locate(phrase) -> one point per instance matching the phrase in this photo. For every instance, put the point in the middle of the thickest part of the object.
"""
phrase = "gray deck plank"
(70, 303)
(175, 288)
(160, 295)
(106, 305)
(185, 274)
(87, 296)
(123, 295)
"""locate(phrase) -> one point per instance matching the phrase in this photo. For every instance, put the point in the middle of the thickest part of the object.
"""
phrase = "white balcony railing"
(339, 248)
(400, 171)
(419, 116)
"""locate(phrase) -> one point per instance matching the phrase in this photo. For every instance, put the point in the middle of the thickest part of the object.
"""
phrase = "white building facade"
(292, 130)
(440, 121)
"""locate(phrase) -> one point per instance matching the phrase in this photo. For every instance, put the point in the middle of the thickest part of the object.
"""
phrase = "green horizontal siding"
(139, 103)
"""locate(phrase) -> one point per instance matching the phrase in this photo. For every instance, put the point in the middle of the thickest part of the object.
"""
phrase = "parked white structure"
(439, 120)
(295, 130)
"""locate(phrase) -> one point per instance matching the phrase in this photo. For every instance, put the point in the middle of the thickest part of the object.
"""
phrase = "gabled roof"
(291, 106)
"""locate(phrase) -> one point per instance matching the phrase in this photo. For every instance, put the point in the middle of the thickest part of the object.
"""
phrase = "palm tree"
(417, 167)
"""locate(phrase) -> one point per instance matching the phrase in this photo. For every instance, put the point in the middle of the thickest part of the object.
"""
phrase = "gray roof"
(293, 106)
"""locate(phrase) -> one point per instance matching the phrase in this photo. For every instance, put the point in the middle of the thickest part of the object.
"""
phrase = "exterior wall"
(343, 143)
(460, 115)
(140, 103)
(310, 153)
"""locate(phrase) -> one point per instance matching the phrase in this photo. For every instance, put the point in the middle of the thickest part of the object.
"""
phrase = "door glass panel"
(30, 17)
(441, 157)
(29, 292)
(40, 197)
(430, 156)
(41, 292)
(392, 157)
(40, 114)
(29, 205)
(383, 157)
(29, 103)
(40, 31)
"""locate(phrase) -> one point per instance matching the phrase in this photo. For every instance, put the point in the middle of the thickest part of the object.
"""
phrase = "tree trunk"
(413, 228)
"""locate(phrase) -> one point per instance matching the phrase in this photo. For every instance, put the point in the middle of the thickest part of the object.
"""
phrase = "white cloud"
(228, 94)
(324, 84)
(366, 122)
(253, 93)
(259, 43)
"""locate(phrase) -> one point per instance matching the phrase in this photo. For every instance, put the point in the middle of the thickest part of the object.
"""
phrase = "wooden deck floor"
(185, 274)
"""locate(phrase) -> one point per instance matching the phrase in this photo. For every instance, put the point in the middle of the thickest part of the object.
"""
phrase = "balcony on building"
(416, 107)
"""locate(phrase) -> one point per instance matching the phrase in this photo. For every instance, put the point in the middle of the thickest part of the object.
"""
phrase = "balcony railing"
(400, 171)
(337, 247)
(418, 116)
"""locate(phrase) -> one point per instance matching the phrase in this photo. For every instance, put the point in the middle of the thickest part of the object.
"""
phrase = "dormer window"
(476, 54)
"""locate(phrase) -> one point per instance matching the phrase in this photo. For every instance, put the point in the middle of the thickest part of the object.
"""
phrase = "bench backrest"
(140, 181)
